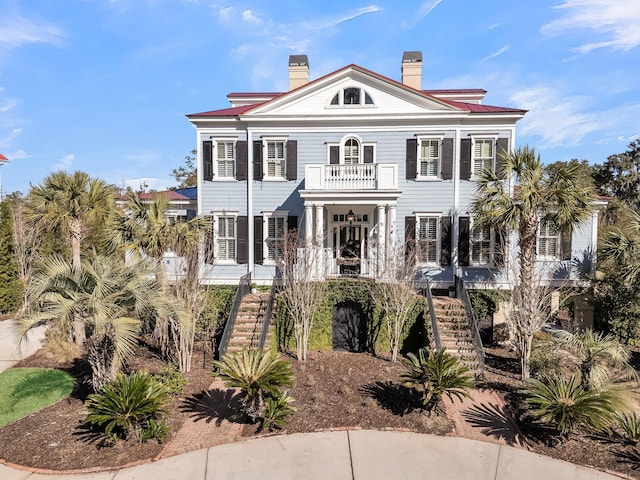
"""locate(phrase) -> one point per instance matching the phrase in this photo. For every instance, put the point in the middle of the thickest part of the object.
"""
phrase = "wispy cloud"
(17, 31)
(65, 162)
(496, 54)
(557, 119)
(8, 105)
(427, 7)
(146, 183)
(10, 137)
(618, 21)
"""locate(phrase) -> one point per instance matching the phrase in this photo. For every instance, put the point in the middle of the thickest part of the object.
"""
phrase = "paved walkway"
(345, 455)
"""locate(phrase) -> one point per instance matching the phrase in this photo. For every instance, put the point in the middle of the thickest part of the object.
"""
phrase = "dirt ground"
(331, 390)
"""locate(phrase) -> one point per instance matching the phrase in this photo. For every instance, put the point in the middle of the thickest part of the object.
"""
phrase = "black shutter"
(258, 240)
(565, 245)
(412, 158)
(241, 160)
(445, 241)
(465, 159)
(499, 246)
(292, 159)
(501, 150)
(334, 155)
(463, 241)
(207, 160)
(368, 154)
(447, 159)
(257, 160)
(292, 223)
(242, 234)
(410, 239)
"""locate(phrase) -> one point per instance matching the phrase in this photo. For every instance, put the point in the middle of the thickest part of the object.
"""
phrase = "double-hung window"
(483, 154)
(429, 158)
(226, 238)
(225, 159)
(548, 241)
(275, 159)
(427, 233)
(351, 152)
(480, 245)
(275, 238)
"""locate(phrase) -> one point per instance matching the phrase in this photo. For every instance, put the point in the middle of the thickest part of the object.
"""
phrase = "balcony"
(363, 176)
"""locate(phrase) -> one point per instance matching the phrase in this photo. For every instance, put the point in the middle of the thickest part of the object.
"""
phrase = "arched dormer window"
(351, 96)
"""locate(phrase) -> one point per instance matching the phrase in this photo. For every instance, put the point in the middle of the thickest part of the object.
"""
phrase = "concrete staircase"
(455, 333)
(248, 327)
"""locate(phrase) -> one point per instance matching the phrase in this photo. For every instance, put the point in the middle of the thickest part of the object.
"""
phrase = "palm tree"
(141, 229)
(111, 298)
(71, 202)
(597, 356)
(558, 199)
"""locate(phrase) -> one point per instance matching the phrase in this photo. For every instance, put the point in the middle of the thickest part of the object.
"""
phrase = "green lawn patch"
(27, 390)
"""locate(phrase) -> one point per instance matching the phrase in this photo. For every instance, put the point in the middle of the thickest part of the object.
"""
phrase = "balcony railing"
(362, 176)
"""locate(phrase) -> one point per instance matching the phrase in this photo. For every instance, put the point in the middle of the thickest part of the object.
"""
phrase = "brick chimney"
(298, 71)
(412, 69)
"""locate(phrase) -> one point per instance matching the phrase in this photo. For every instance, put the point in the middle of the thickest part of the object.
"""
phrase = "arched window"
(351, 151)
(351, 96)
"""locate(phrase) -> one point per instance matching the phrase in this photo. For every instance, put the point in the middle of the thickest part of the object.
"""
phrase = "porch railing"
(275, 287)
(244, 287)
(432, 313)
(463, 294)
(361, 176)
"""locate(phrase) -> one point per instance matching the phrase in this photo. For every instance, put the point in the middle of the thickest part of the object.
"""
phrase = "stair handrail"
(432, 314)
(244, 287)
(463, 294)
(275, 287)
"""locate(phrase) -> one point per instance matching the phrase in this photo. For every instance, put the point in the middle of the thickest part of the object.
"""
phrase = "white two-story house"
(359, 163)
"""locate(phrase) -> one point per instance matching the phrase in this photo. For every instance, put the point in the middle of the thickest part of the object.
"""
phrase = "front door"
(350, 249)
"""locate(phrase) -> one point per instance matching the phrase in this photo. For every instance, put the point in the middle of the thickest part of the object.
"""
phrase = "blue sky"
(104, 85)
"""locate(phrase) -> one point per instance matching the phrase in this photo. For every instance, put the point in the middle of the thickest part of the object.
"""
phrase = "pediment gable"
(333, 95)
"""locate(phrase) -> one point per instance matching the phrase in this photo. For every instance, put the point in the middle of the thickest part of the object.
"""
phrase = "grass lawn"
(26, 390)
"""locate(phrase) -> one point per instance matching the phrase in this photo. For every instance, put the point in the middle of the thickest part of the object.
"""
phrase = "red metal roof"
(168, 193)
(468, 107)
(455, 90)
(3, 158)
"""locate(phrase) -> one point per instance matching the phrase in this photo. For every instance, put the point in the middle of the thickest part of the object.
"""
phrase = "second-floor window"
(275, 159)
(429, 158)
(483, 153)
(427, 245)
(351, 152)
(225, 159)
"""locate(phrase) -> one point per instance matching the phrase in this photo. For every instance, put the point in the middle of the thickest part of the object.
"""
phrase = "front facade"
(360, 165)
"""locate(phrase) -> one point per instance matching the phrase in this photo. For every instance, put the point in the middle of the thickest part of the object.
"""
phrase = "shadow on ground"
(495, 421)
(214, 405)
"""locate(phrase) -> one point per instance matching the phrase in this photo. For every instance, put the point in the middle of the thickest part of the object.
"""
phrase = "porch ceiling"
(351, 197)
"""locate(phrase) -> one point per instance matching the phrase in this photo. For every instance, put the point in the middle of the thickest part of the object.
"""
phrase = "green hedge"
(417, 331)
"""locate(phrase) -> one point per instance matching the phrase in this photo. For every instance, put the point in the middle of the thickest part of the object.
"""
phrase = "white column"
(319, 225)
(382, 231)
(391, 230)
(308, 223)
(319, 242)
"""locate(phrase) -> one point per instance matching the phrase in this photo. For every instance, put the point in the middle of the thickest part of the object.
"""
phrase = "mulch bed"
(331, 390)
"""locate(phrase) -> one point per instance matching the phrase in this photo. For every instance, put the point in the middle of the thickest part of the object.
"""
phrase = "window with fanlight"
(351, 96)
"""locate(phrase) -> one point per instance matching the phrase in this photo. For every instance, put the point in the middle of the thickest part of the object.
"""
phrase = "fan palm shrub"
(434, 374)
(130, 407)
(630, 425)
(566, 405)
(600, 358)
(276, 411)
(257, 374)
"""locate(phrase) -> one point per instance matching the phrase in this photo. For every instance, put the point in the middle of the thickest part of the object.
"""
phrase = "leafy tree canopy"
(619, 176)
(187, 175)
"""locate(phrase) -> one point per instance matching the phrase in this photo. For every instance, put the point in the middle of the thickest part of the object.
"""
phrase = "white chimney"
(298, 71)
(412, 69)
